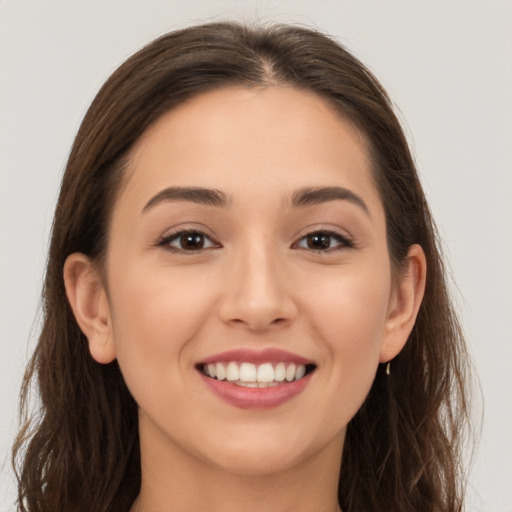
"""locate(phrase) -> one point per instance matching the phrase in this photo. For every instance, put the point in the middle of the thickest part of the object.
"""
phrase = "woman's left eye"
(188, 241)
(323, 241)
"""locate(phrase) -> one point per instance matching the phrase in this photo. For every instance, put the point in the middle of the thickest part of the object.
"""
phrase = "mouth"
(256, 379)
(251, 375)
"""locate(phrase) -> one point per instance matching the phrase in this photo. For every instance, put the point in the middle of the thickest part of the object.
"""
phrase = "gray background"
(448, 66)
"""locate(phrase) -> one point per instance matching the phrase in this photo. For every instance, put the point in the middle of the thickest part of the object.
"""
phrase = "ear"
(89, 302)
(404, 304)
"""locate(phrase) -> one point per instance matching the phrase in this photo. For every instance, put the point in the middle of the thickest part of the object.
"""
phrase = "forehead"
(249, 141)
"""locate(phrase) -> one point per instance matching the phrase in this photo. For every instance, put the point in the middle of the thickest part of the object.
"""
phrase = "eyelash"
(166, 241)
(343, 241)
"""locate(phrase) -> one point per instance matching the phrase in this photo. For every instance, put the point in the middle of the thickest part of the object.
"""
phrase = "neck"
(174, 480)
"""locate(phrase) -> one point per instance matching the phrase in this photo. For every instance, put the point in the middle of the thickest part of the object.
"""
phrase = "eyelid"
(346, 241)
(174, 234)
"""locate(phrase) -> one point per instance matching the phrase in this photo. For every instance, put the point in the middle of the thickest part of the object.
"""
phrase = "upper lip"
(267, 355)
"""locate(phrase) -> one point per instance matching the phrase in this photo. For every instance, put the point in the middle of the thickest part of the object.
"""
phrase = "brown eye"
(319, 241)
(191, 241)
(323, 241)
(187, 241)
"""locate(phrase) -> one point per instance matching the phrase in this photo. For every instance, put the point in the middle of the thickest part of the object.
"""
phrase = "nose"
(258, 292)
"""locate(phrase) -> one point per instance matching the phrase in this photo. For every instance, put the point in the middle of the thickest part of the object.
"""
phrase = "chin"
(255, 462)
(265, 454)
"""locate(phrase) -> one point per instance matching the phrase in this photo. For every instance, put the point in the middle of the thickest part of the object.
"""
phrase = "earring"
(388, 368)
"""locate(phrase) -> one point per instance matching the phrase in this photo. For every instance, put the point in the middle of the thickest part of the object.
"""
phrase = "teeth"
(280, 372)
(251, 375)
(232, 372)
(290, 373)
(265, 373)
(220, 370)
(248, 372)
(256, 384)
(300, 371)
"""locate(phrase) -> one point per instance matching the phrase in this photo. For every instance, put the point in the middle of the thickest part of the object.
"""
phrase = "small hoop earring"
(388, 368)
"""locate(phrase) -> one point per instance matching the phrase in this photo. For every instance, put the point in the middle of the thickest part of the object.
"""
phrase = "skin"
(257, 284)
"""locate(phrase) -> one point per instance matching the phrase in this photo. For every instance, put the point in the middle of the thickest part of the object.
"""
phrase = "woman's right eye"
(188, 241)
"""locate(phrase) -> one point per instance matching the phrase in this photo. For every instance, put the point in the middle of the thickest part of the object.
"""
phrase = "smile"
(256, 379)
(252, 375)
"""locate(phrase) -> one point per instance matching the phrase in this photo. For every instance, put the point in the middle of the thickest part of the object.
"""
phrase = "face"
(248, 277)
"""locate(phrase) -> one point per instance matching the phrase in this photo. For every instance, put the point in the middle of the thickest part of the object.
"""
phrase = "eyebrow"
(211, 197)
(199, 195)
(317, 195)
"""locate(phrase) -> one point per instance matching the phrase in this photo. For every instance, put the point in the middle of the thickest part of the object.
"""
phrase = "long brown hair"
(80, 451)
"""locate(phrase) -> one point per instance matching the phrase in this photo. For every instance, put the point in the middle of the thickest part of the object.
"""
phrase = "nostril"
(258, 323)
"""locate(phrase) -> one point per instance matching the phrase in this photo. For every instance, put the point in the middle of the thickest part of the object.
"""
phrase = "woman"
(237, 308)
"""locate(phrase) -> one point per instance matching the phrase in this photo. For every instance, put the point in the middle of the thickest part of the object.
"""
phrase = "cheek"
(348, 317)
(350, 306)
(154, 317)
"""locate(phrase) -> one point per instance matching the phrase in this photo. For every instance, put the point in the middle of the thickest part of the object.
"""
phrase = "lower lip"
(256, 398)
